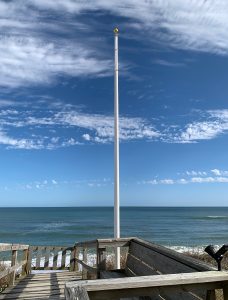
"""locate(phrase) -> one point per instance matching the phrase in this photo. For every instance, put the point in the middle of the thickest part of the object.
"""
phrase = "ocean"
(177, 227)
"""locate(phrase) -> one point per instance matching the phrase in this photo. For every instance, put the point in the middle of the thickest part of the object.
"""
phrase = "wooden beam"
(9, 247)
(154, 281)
(179, 257)
(88, 244)
(88, 268)
(121, 242)
(78, 292)
(173, 286)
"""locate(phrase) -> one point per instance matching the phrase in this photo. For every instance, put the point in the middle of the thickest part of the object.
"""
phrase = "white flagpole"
(116, 151)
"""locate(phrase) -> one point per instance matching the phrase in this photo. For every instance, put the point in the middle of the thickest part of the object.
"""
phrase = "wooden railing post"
(76, 269)
(29, 260)
(101, 259)
(72, 259)
(25, 258)
(13, 263)
(84, 271)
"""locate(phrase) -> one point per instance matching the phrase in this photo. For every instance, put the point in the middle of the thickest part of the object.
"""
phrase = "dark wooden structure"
(150, 272)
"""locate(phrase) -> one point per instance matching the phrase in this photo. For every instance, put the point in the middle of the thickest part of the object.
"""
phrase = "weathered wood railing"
(13, 250)
(83, 248)
(109, 245)
(172, 286)
(48, 258)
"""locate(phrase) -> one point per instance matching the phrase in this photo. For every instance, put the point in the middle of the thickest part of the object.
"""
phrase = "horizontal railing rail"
(86, 244)
(11, 270)
(155, 285)
(9, 247)
(121, 242)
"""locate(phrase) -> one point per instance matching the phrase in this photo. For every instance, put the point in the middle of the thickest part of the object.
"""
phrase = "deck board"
(40, 286)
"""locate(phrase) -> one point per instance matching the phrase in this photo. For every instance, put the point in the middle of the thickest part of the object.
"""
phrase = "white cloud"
(217, 172)
(192, 180)
(27, 61)
(195, 173)
(86, 137)
(192, 25)
(30, 53)
(100, 127)
(167, 181)
(54, 182)
(199, 131)
(130, 128)
(209, 180)
(214, 124)
(166, 63)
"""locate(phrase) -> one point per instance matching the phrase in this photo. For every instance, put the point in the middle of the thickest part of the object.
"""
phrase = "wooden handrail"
(121, 242)
(146, 285)
(9, 247)
(86, 244)
(12, 269)
(87, 267)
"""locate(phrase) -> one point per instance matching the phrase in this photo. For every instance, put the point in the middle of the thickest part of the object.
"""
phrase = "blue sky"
(56, 102)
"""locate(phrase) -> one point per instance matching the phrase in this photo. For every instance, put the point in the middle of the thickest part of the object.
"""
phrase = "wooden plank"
(155, 281)
(55, 258)
(88, 244)
(25, 258)
(157, 261)
(171, 292)
(29, 262)
(73, 259)
(139, 267)
(121, 242)
(38, 257)
(19, 247)
(88, 268)
(13, 270)
(176, 293)
(129, 272)
(78, 292)
(46, 258)
(9, 247)
(63, 260)
(188, 261)
(111, 274)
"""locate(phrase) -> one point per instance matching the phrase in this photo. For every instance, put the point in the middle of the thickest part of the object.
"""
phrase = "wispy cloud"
(191, 177)
(42, 130)
(45, 39)
(192, 25)
(166, 63)
(185, 181)
(217, 172)
(27, 61)
(212, 124)
(48, 184)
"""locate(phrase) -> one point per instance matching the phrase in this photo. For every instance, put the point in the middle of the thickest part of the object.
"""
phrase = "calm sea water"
(64, 226)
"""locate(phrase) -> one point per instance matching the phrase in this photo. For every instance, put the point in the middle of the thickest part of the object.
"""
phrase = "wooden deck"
(151, 271)
(41, 286)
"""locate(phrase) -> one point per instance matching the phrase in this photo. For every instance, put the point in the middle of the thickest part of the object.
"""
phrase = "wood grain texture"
(197, 265)
(40, 286)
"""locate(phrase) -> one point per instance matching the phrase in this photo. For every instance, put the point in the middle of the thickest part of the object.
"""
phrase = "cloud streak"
(43, 130)
(217, 176)
(45, 39)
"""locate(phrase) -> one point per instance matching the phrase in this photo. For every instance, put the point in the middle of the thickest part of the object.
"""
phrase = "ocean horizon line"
(123, 206)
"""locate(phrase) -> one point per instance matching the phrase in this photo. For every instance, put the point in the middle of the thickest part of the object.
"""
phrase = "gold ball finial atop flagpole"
(116, 30)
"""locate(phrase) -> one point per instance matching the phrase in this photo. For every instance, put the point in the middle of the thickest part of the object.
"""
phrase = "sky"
(56, 102)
